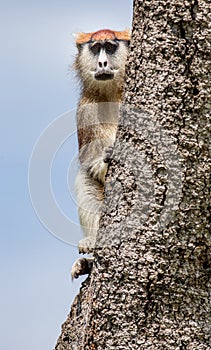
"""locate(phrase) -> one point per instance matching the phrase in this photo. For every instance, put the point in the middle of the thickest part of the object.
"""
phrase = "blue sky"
(37, 48)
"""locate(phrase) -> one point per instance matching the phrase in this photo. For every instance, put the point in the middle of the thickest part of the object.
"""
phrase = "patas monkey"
(100, 66)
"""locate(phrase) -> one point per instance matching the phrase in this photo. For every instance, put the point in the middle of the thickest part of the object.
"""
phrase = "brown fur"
(103, 34)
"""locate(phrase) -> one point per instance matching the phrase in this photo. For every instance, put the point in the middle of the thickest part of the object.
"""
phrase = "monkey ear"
(79, 47)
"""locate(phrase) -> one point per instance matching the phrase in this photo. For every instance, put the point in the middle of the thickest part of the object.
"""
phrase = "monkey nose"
(103, 64)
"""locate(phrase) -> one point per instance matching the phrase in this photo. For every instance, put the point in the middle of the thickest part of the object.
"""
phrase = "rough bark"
(150, 285)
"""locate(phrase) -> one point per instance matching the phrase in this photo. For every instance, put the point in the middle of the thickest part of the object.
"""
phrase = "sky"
(38, 151)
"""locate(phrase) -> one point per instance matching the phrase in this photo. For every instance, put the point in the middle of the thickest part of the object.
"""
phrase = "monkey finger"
(108, 154)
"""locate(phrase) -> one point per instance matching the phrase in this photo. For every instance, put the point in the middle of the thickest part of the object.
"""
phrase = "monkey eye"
(110, 47)
(96, 48)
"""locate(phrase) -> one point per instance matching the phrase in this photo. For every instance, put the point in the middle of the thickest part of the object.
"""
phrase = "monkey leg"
(89, 197)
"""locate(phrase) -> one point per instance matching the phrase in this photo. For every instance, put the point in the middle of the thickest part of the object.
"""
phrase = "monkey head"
(101, 56)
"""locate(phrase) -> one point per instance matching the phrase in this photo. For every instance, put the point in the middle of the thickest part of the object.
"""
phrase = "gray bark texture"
(150, 284)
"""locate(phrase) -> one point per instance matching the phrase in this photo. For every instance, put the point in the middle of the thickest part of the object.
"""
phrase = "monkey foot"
(81, 267)
(86, 245)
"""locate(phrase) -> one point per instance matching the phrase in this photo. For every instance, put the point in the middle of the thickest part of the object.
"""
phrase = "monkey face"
(104, 56)
(102, 60)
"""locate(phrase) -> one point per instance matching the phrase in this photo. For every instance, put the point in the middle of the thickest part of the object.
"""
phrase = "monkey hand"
(81, 267)
(97, 169)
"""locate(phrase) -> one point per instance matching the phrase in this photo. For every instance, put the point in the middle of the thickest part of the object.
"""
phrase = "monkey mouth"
(104, 75)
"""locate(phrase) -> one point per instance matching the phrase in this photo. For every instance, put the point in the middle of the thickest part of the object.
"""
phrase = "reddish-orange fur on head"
(102, 34)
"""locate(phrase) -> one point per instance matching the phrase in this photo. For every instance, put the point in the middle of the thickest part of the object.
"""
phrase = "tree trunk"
(150, 285)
